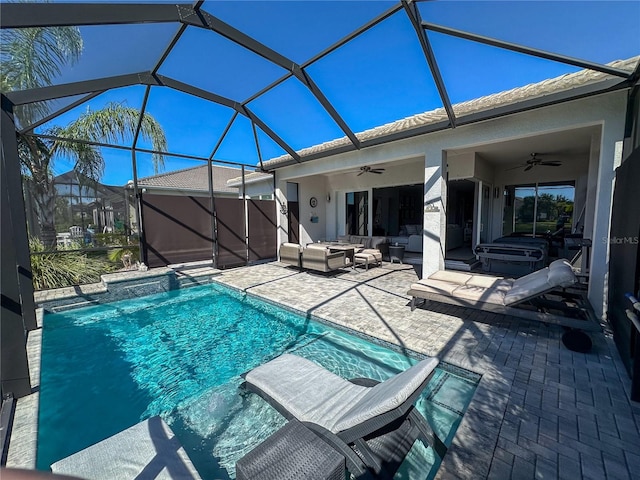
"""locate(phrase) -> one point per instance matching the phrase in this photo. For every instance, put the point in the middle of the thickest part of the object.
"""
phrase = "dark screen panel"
(624, 257)
(262, 229)
(177, 229)
(232, 248)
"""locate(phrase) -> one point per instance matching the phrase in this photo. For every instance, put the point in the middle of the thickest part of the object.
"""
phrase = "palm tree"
(31, 58)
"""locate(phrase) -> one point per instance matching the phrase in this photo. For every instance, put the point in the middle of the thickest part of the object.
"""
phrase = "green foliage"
(110, 239)
(55, 270)
(116, 254)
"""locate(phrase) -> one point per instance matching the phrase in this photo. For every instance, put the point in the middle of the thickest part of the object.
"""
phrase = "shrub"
(55, 270)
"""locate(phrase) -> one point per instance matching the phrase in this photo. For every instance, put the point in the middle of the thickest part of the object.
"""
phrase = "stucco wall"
(606, 110)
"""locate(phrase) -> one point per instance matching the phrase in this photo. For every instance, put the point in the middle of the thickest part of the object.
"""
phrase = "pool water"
(180, 355)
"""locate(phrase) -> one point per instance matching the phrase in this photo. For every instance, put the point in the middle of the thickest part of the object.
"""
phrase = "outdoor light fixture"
(328, 197)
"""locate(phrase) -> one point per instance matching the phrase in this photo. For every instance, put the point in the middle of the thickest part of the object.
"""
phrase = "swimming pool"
(180, 355)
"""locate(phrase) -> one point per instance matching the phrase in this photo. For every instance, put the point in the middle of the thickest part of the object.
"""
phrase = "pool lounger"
(345, 413)
(507, 296)
(147, 450)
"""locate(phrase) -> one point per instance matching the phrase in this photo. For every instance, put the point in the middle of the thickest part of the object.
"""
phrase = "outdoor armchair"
(290, 254)
(319, 258)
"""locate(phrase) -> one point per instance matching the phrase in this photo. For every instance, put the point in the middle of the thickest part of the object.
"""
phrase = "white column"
(434, 215)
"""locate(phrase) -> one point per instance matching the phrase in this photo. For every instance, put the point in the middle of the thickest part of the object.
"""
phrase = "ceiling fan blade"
(551, 164)
(513, 168)
(528, 167)
(375, 171)
(361, 172)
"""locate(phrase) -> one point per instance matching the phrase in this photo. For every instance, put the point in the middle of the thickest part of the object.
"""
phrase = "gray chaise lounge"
(376, 420)
(510, 297)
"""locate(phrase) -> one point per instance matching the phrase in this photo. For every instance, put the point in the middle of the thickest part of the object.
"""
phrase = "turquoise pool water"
(180, 355)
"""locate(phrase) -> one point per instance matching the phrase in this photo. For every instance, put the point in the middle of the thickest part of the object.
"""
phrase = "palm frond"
(117, 123)
(32, 58)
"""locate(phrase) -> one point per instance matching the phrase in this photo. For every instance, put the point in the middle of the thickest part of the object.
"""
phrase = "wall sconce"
(496, 192)
(328, 197)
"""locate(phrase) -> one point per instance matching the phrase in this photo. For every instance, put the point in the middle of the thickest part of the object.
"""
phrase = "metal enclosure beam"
(538, 102)
(42, 94)
(53, 115)
(414, 16)
(16, 284)
(526, 50)
(206, 20)
(27, 15)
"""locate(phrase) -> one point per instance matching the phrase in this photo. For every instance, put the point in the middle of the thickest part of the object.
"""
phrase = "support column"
(18, 309)
(434, 215)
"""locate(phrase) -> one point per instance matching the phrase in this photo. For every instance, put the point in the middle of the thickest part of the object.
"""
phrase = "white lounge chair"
(372, 424)
(145, 451)
(523, 297)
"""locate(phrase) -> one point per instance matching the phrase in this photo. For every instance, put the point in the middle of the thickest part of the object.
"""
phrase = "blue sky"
(379, 77)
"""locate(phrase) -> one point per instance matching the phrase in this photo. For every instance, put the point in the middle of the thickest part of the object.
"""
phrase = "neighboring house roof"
(75, 178)
(194, 178)
(487, 103)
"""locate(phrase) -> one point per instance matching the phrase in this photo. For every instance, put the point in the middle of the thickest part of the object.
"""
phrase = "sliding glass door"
(539, 209)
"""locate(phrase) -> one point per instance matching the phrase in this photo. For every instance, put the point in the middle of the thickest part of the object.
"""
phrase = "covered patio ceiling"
(267, 80)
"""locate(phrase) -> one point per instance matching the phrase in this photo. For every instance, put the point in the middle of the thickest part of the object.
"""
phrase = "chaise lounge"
(147, 450)
(373, 425)
(526, 297)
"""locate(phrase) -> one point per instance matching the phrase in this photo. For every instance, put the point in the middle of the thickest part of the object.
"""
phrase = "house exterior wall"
(607, 111)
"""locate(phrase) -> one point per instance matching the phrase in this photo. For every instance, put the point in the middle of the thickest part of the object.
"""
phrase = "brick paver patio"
(540, 410)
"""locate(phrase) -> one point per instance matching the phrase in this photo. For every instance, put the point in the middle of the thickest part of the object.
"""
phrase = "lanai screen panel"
(262, 229)
(177, 229)
(624, 258)
(230, 220)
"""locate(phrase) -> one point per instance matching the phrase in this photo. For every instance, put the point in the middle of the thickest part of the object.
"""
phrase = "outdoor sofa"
(535, 296)
(376, 420)
(369, 244)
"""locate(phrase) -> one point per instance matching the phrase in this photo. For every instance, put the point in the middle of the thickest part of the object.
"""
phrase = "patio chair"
(373, 425)
(512, 297)
(76, 232)
(290, 254)
(147, 450)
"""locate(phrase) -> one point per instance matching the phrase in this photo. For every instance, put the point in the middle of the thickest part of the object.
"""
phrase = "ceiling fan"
(368, 169)
(534, 160)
